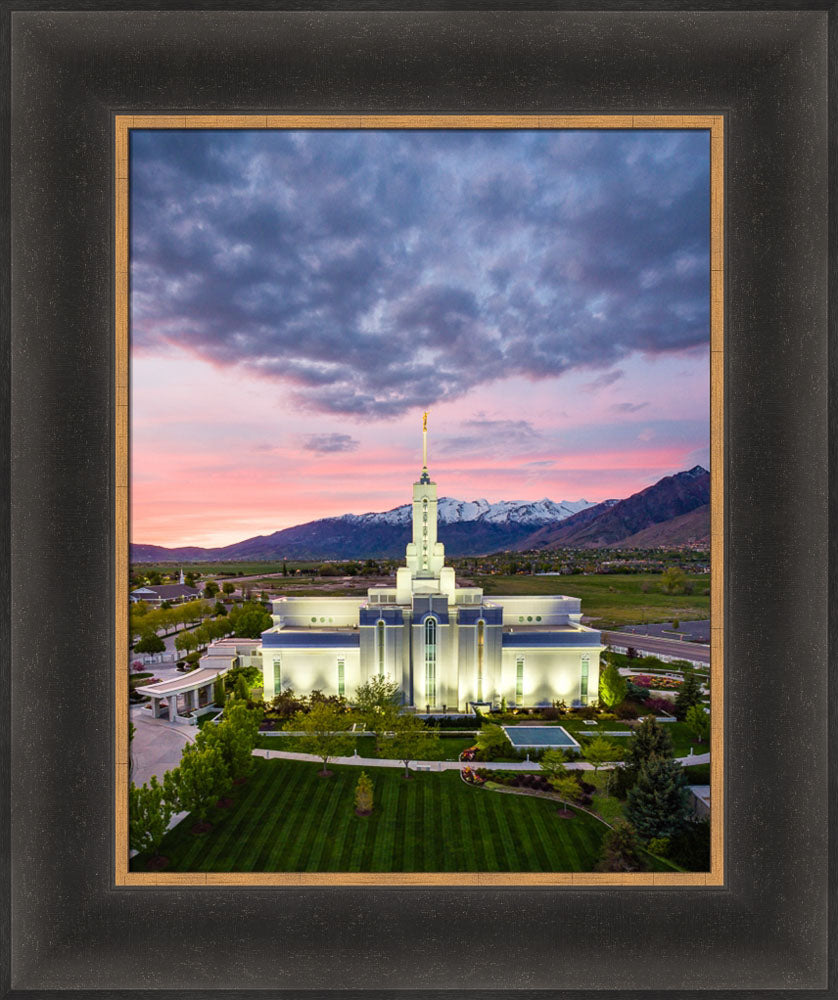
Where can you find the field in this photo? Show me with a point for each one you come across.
(611, 600)
(287, 818)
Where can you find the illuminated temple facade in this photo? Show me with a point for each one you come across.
(446, 646)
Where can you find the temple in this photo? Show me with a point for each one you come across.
(447, 647)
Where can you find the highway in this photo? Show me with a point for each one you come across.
(655, 646)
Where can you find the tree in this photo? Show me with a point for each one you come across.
(698, 721)
(659, 803)
(411, 740)
(363, 795)
(219, 609)
(242, 689)
(493, 742)
(228, 588)
(219, 694)
(600, 751)
(568, 788)
(689, 694)
(186, 642)
(210, 588)
(249, 621)
(325, 732)
(553, 765)
(150, 643)
(235, 737)
(198, 781)
(649, 739)
(377, 703)
(189, 578)
(673, 580)
(620, 850)
(149, 812)
(612, 686)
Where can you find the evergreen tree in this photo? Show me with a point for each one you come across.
(149, 812)
(620, 850)
(364, 795)
(650, 739)
(613, 687)
(689, 694)
(659, 803)
(242, 688)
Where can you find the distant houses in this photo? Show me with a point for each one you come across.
(174, 593)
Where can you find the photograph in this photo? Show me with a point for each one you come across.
(420, 501)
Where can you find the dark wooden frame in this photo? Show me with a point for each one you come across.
(67, 927)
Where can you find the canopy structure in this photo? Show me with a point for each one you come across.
(195, 688)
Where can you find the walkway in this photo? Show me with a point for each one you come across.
(446, 765)
(157, 745)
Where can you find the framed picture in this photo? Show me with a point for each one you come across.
(85, 917)
(388, 668)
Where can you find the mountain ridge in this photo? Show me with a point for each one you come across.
(477, 527)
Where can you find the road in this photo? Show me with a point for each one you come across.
(655, 646)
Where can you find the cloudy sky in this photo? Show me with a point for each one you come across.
(300, 297)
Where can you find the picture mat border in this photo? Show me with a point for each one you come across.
(124, 125)
(766, 933)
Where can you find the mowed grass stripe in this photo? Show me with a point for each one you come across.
(287, 818)
(295, 783)
(308, 819)
(315, 857)
(385, 831)
(255, 820)
(505, 840)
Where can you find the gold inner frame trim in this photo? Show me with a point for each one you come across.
(123, 125)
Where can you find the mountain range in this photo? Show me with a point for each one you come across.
(674, 511)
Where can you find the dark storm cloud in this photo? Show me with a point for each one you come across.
(373, 272)
(327, 444)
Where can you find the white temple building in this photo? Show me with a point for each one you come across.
(446, 646)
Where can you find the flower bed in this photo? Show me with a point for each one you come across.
(658, 683)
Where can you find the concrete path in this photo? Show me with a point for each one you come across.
(445, 765)
(157, 745)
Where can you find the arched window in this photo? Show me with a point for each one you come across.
(583, 681)
(481, 641)
(430, 661)
(380, 637)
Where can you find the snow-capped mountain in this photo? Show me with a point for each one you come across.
(451, 511)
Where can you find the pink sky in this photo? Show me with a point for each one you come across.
(219, 456)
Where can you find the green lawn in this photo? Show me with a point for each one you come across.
(612, 600)
(452, 746)
(287, 818)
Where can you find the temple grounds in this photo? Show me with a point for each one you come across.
(287, 818)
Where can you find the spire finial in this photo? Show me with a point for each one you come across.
(425, 478)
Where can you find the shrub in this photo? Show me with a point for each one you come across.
(606, 716)
(659, 846)
(628, 710)
(662, 705)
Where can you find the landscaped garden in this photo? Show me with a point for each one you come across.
(288, 818)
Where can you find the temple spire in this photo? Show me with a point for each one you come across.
(425, 478)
